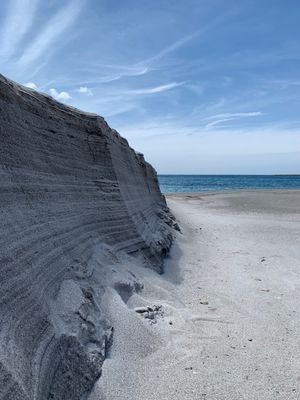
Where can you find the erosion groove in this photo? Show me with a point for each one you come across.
(75, 200)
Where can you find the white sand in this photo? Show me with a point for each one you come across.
(231, 291)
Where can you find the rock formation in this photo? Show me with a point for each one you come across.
(75, 201)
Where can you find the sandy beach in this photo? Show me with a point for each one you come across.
(228, 322)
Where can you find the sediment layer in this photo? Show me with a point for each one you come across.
(75, 200)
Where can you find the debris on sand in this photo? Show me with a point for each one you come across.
(150, 312)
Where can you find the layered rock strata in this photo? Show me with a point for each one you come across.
(75, 200)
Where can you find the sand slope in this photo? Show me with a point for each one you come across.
(230, 322)
(75, 202)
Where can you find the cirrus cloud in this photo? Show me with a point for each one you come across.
(225, 117)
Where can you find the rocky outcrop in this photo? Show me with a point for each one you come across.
(75, 201)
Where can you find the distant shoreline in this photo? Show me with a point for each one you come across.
(270, 175)
(230, 191)
(205, 183)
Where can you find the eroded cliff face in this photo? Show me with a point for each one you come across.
(75, 202)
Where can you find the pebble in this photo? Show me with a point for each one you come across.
(141, 310)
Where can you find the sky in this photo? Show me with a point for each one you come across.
(198, 86)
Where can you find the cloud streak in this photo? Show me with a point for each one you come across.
(284, 83)
(18, 21)
(188, 38)
(56, 26)
(169, 49)
(225, 117)
(236, 115)
(157, 89)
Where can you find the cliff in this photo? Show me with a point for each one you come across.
(75, 202)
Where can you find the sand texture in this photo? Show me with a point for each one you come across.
(78, 206)
(228, 322)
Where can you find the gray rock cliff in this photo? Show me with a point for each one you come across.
(75, 200)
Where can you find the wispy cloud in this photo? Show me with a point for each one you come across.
(236, 115)
(117, 101)
(18, 21)
(54, 29)
(189, 38)
(285, 83)
(62, 96)
(218, 122)
(225, 117)
(115, 110)
(157, 89)
(115, 71)
(172, 47)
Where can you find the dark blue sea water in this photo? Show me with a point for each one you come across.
(199, 183)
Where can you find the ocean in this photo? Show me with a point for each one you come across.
(201, 183)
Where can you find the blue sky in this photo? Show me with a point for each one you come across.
(209, 86)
